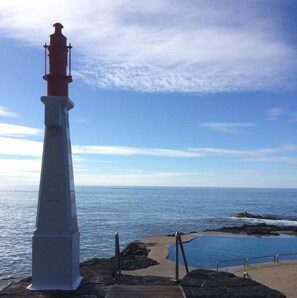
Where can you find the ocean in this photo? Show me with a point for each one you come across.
(135, 213)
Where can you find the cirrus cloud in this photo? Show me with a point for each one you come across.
(17, 130)
(4, 112)
(164, 46)
(228, 127)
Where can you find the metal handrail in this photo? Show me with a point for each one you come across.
(260, 257)
(179, 242)
(231, 260)
(117, 257)
(282, 255)
(246, 260)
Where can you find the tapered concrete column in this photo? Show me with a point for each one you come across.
(55, 263)
(55, 249)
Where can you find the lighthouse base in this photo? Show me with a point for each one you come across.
(55, 263)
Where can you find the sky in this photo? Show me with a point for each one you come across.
(167, 93)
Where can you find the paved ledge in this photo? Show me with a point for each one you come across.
(279, 276)
(128, 291)
(159, 251)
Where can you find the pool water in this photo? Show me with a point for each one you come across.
(206, 250)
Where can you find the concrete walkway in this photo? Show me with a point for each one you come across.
(280, 276)
(159, 252)
(128, 291)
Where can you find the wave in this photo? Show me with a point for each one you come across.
(276, 222)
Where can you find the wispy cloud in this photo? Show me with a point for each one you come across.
(287, 160)
(239, 178)
(20, 167)
(167, 46)
(4, 112)
(247, 172)
(19, 171)
(11, 130)
(228, 127)
(130, 170)
(14, 143)
(21, 158)
(242, 153)
(81, 120)
(274, 113)
(119, 150)
(146, 179)
(20, 147)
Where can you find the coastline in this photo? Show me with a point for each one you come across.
(132, 227)
(98, 273)
(279, 276)
(159, 249)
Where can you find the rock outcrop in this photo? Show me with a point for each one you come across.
(98, 277)
(255, 216)
(259, 229)
(209, 283)
(135, 256)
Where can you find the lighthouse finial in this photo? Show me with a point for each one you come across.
(58, 27)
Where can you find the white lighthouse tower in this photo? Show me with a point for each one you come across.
(55, 251)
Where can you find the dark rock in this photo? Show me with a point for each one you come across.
(97, 279)
(135, 248)
(137, 262)
(98, 276)
(145, 280)
(258, 229)
(255, 216)
(209, 283)
(134, 256)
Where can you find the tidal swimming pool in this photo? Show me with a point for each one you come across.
(206, 250)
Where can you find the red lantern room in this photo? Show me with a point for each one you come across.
(59, 55)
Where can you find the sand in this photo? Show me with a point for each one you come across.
(279, 276)
(159, 251)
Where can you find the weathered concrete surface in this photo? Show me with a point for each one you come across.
(159, 251)
(280, 276)
(128, 291)
(210, 283)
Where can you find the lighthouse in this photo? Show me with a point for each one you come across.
(55, 248)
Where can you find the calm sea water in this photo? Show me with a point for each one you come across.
(135, 213)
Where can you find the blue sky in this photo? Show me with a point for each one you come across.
(166, 93)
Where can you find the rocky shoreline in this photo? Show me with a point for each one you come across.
(98, 274)
(257, 230)
(98, 278)
(256, 216)
(261, 229)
